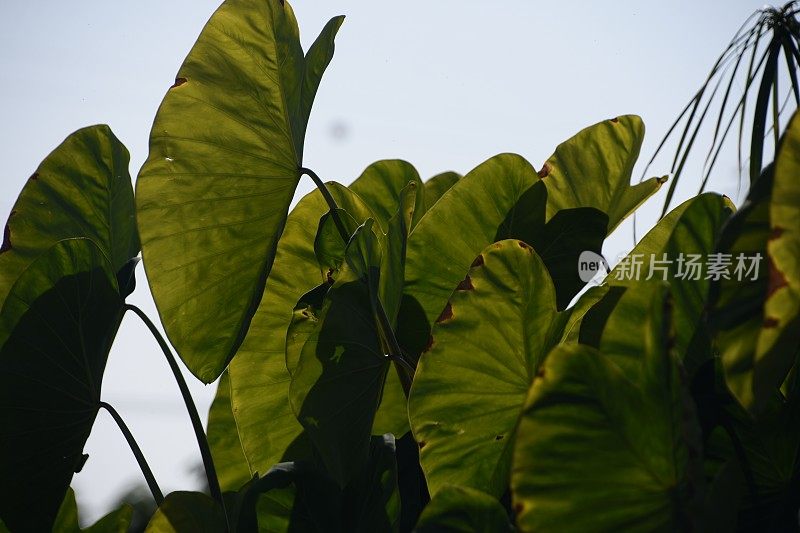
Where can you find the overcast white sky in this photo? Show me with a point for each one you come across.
(444, 84)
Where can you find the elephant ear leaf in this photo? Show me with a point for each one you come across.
(464, 509)
(756, 312)
(593, 169)
(439, 184)
(81, 189)
(337, 385)
(226, 151)
(470, 385)
(610, 430)
(58, 323)
(66, 264)
(382, 186)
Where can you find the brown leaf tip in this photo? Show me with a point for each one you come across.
(447, 314)
(615, 120)
(34, 176)
(776, 232)
(466, 284)
(545, 171)
(178, 82)
(662, 180)
(776, 279)
(478, 261)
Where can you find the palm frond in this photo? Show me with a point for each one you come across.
(765, 36)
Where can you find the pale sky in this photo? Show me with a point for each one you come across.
(444, 84)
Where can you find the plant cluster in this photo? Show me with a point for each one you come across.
(401, 354)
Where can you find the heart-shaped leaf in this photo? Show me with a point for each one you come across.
(485, 349)
(82, 189)
(51, 371)
(66, 264)
(381, 186)
(259, 375)
(593, 169)
(678, 250)
(226, 151)
(187, 511)
(465, 510)
(337, 385)
(609, 441)
(436, 186)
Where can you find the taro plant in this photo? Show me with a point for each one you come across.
(401, 354)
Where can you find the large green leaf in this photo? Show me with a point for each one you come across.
(51, 371)
(593, 169)
(457, 509)
(226, 150)
(116, 521)
(779, 338)
(184, 511)
(381, 186)
(586, 194)
(757, 316)
(609, 441)
(299, 497)
(258, 373)
(766, 459)
(687, 235)
(82, 189)
(223, 439)
(736, 307)
(339, 379)
(470, 386)
(436, 186)
(451, 234)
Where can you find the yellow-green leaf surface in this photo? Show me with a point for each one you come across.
(381, 185)
(736, 307)
(779, 339)
(183, 511)
(258, 373)
(471, 384)
(608, 440)
(223, 439)
(436, 186)
(593, 169)
(757, 319)
(226, 150)
(686, 236)
(451, 234)
(51, 371)
(82, 189)
(116, 521)
(457, 509)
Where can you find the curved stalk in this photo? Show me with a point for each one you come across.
(197, 425)
(395, 352)
(158, 496)
(329, 200)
